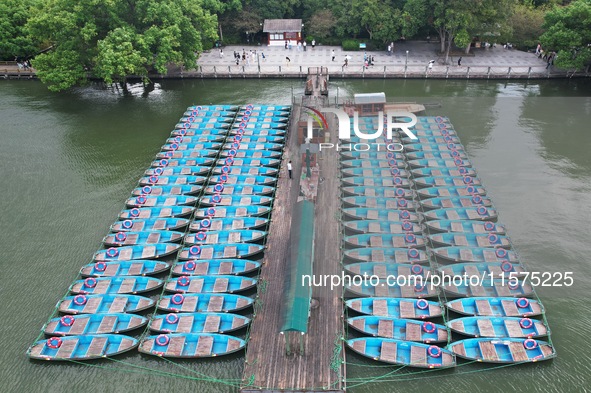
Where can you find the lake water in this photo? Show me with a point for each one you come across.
(70, 160)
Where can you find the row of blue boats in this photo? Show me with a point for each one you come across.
(199, 215)
(425, 213)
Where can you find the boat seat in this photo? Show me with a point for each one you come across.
(396, 228)
(226, 268)
(466, 254)
(241, 212)
(478, 290)
(457, 324)
(375, 241)
(196, 285)
(230, 252)
(408, 291)
(237, 224)
(387, 182)
(518, 352)
(204, 346)
(413, 332)
(79, 326)
(246, 201)
(370, 202)
(513, 328)
(211, 238)
(488, 350)
(206, 253)
(485, 328)
(185, 324)
(201, 268)
(232, 345)
(388, 352)
(380, 307)
(446, 203)
(382, 290)
(460, 241)
(127, 286)
(439, 182)
(148, 252)
(190, 303)
(135, 269)
(418, 356)
(215, 303)
(101, 287)
(502, 290)
(111, 270)
(216, 225)
(407, 309)
(483, 241)
(473, 214)
(247, 190)
(369, 192)
(368, 182)
(107, 324)
(359, 346)
(380, 271)
(404, 270)
(398, 241)
(235, 237)
(250, 180)
(452, 215)
(483, 307)
(125, 254)
(97, 346)
(459, 349)
(131, 238)
(175, 346)
(67, 348)
(471, 271)
(91, 306)
(496, 271)
(220, 285)
(166, 212)
(490, 255)
(378, 256)
(373, 214)
(358, 324)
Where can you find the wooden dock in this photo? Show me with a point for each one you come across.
(314, 363)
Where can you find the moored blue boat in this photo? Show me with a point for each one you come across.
(202, 161)
(373, 163)
(104, 303)
(221, 251)
(185, 154)
(479, 213)
(465, 226)
(385, 192)
(260, 128)
(375, 172)
(474, 255)
(215, 267)
(396, 307)
(191, 345)
(432, 140)
(382, 288)
(402, 353)
(503, 350)
(232, 211)
(469, 240)
(163, 200)
(200, 128)
(447, 181)
(390, 181)
(385, 240)
(188, 139)
(124, 268)
(145, 251)
(191, 146)
(400, 329)
(229, 224)
(386, 269)
(171, 180)
(364, 213)
(454, 172)
(69, 325)
(233, 200)
(229, 179)
(251, 153)
(451, 191)
(378, 202)
(256, 138)
(239, 189)
(156, 212)
(151, 224)
(478, 287)
(115, 285)
(178, 170)
(499, 327)
(198, 323)
(256, 162)
(252, 146)
(210, 284)
(496, 306)
(436, 155)
(223, 237)
(433, 147)
(246, 170)
(387, 254)
(145, 237)
(204, 302)
(371, 155)
(490, 270)
(185, 189)
(440, 203)
(84, 347)
(377, 226)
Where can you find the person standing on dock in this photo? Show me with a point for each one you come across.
(289, 168)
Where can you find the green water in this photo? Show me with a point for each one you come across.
(68, 162)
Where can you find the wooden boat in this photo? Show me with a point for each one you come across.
(478, 287)
(364, 213)
(399, 329)
(115, 285)
(105, 303)
(246, 170)
(199, 108)
(442, 203)
(198, 323)
(446, 192)
(233, 200)
(375, 172)
(433, 147)
(215, 267)
(144, 237)
(376, 226)
(514, 327)
(194, 139)
(196, 115)
(479, 213)
(371, 155)
(69, 325)
(388, 254)
(366, 164)
(436, 155)
(156, 212)
(453, 172)
(474, 255)
(201, 161)
(378, 202)
(204, 302)
(221, 251)
(124, 268)
(171, 180)
(503, 350)
(191, 345)
(229, 224)
(164, 200)
(185, 154)
(383, 192)
(402, 353)
(385, 240)
(390, 181)
(496, 306)
(490, 270)
(224, 237)
(382, 289)
(191, 146)
(144, 251)
(385, 269)
(252, 146)
(244, 180)
(189, 189)
(210, 284)
(469, 240)
(396, 307)
(238, 189)
(465, 226)
(256, 162)
(85, 347)
(178, 170)
(447, 181)
(157, 224)
(251, 154)
(236, 211)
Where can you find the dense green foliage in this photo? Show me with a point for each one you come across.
(113, 39)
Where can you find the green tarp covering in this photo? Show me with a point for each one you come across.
(301, 252)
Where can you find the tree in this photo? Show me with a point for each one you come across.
(568, 33)
(113, 39)
(378, 18)
(526, 24)
(321, 24)
(14, 38)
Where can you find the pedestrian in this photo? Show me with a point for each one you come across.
(460, 61)
(313, 43)
(221, 53)
(538, 48)
(287, 60)
(285, 44)
(430, 66)
(299, 48)
(541, 53)
(392, 46)
(333, 55)
(549, 61)
(289, 168)
(304, 45)
(346, 64)
(389, 50)
(263, 55)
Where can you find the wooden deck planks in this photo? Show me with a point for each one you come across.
(388, 352)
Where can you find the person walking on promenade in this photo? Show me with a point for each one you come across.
(538, 48)
(313, 43)
(304, 45)
(289, 168)
(333, 55)
(221, 53)
(287, 60)
(460, 61)
(389, 50)
(430, 66)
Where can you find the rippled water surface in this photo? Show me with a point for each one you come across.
(68, 162)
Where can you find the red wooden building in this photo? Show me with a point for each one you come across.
(280, 30)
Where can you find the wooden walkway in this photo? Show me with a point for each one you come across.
(268, 368)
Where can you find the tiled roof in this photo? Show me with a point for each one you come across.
(282, 26)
